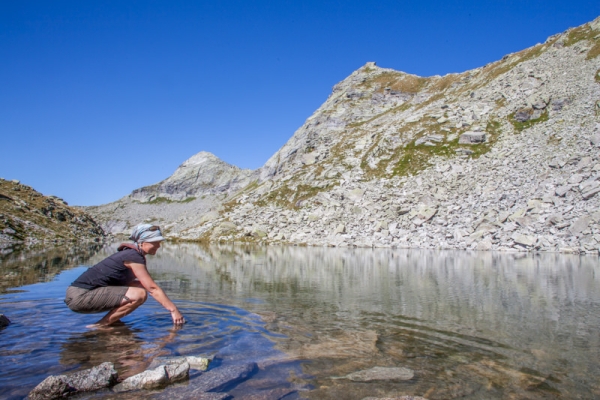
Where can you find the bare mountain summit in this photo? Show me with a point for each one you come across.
(200, 183)
(502, 157)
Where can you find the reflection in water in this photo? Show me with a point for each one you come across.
(27, 266)
(471, 325)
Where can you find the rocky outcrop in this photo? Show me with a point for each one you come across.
(502, 157)
(28, 217)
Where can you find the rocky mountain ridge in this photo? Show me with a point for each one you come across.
(502, 157)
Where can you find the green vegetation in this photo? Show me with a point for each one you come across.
(164, 200)
(398, 81)
(284, 196)
(521, 126)
(597, 77)
(585, 32)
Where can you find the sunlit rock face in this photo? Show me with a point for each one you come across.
(502, 157)
(28, 217)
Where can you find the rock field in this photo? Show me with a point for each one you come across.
(502, 157)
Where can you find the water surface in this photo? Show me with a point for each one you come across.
(471, 325)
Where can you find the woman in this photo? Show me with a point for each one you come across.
(120, 283)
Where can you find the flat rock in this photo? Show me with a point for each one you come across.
(523, 240)
(381, 374)
(580, 225)
(220, 378)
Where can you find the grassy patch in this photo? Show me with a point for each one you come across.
(521, 126)
(397, 81)
(445, 82)
(597, 77)
(585, 33)
(164, 200)
(286, 197)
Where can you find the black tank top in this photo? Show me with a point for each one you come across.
(111, 271)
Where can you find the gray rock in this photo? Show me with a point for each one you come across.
(149, 379)
(4, 321)
(562, 190)
(471, 137)
(221, 378)
(53, 387)
(381, 374)
(580, 225)
(484, 245)
(101, 376)
(523, 240)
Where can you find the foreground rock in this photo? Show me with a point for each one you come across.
(54, 387)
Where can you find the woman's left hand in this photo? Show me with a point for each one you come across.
(177, 317)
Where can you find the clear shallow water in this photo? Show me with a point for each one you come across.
(471, 325)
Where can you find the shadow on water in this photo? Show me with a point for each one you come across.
(471, 325)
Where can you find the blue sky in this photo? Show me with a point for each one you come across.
(98, 98)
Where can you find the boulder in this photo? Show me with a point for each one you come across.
(523, 240)
(472, 138)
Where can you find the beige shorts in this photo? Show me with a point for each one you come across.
(96, 300)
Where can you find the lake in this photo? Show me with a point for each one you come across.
(474, 325)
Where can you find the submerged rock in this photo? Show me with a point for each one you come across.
(220, 378)
(381, 374)
(396, 398)
(4, 321)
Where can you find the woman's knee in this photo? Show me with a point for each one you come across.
(137, 295)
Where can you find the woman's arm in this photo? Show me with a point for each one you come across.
(146, 281)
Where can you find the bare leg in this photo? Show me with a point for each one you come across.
(137, 296)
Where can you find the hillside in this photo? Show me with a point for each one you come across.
(502, 157)
(28, 217)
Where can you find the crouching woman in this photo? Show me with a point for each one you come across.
(120, 283)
